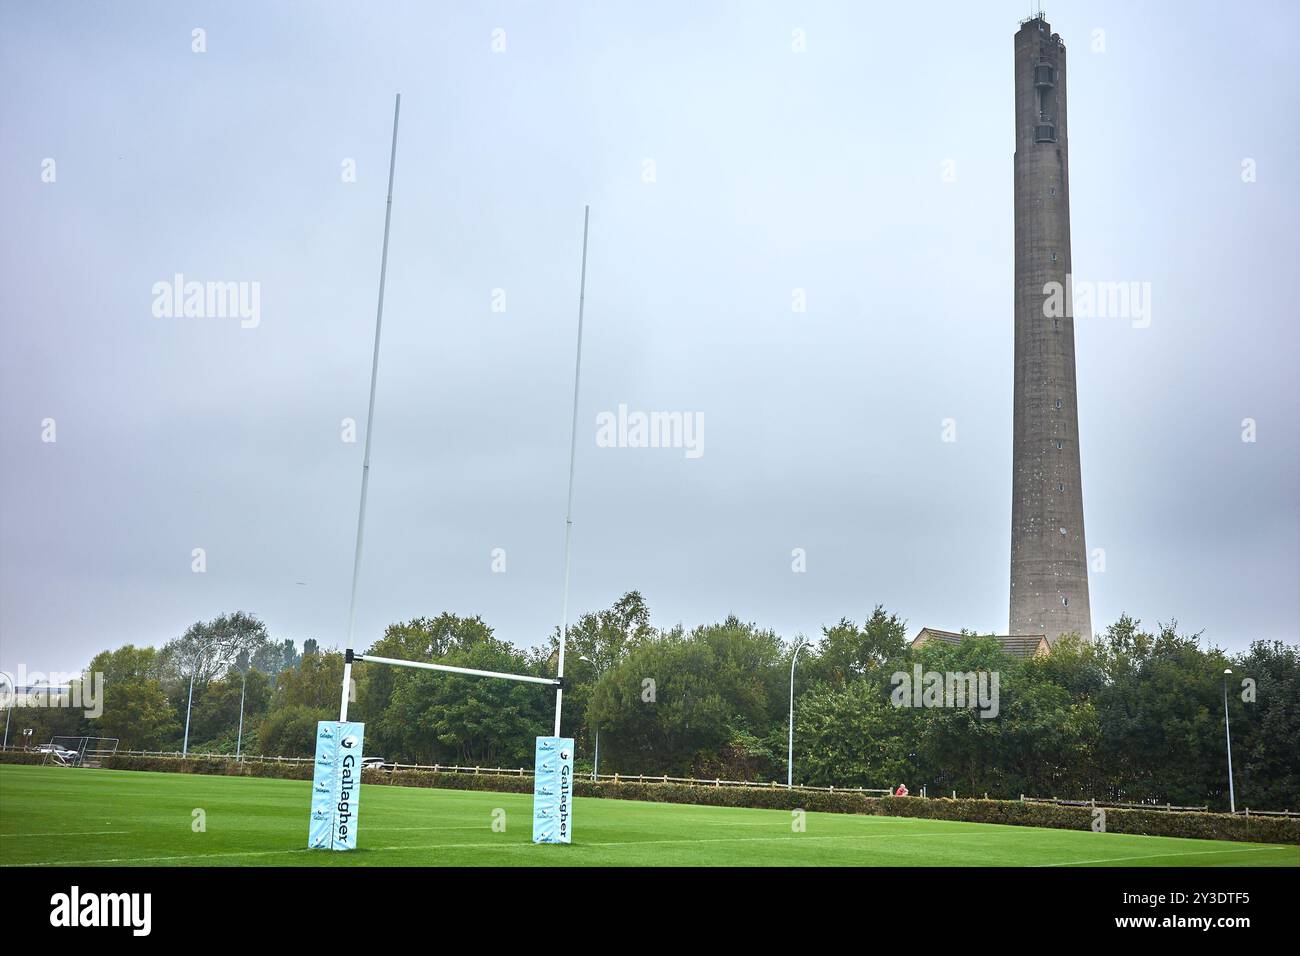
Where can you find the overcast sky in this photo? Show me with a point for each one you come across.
(871, 170)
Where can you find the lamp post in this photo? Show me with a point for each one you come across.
(595, 760)
(185, 744)
(199, 655)
(8, 696)
(239, 740)
(1227, 733)
(789, 766)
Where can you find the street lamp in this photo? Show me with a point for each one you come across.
(8, 697)
(239, 739)
(1227, 733)
(185, 744)
(189, 704)
(595, 760)
(789, 766)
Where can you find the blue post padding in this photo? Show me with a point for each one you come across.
(336, 786)
(553, 790)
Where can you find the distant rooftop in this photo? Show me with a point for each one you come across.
(1020, 646)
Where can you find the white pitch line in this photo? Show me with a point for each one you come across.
(158, 859)
(793, 838)
(1157, 856)
(64, 833)
(454, 846)
(477, 826)
(498, 845)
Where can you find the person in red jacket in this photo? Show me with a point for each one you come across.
(901, 791)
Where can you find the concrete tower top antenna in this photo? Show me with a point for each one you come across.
(1035, 12)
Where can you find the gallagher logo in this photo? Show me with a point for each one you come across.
(346, 783)
(565, 786)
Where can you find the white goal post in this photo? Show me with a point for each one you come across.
(334, 822)
(79, 751)
(349, 657)
(335, 790)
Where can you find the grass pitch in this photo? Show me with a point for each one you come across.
(52, 816)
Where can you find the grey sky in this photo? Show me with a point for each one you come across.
(776, 171)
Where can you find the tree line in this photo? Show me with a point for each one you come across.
(1132, 715)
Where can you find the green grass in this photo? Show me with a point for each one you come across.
(51, 815)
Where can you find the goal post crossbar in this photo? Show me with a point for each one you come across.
(526, 678)
(350, 657)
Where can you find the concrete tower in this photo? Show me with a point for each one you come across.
(1049, 559)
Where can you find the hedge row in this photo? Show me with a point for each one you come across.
(1201, 826)
(18, 756)
(220, 766)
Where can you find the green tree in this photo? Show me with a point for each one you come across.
(846, 651)
(316, 682)
(208, 649)
(136, 708)
(851, 737)
(597, 642)
(216, 716)
(426, 717)
(302, 696)
(1265, 730)
(291, 731)
(678, 700)
(272, 658)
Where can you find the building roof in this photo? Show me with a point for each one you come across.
(1020, 646)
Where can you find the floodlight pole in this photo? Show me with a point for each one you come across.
(1227, 733)
(789, 766)
(185, 745)
(573, 455)
(595, 761)
(239, 739)
(370, 414)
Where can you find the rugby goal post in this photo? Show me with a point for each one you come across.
(350, 656)
(79, 751)
(336, 783)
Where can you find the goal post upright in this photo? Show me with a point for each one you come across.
(370, 412)
(348, 657)
(333, 820)
(573, 455)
